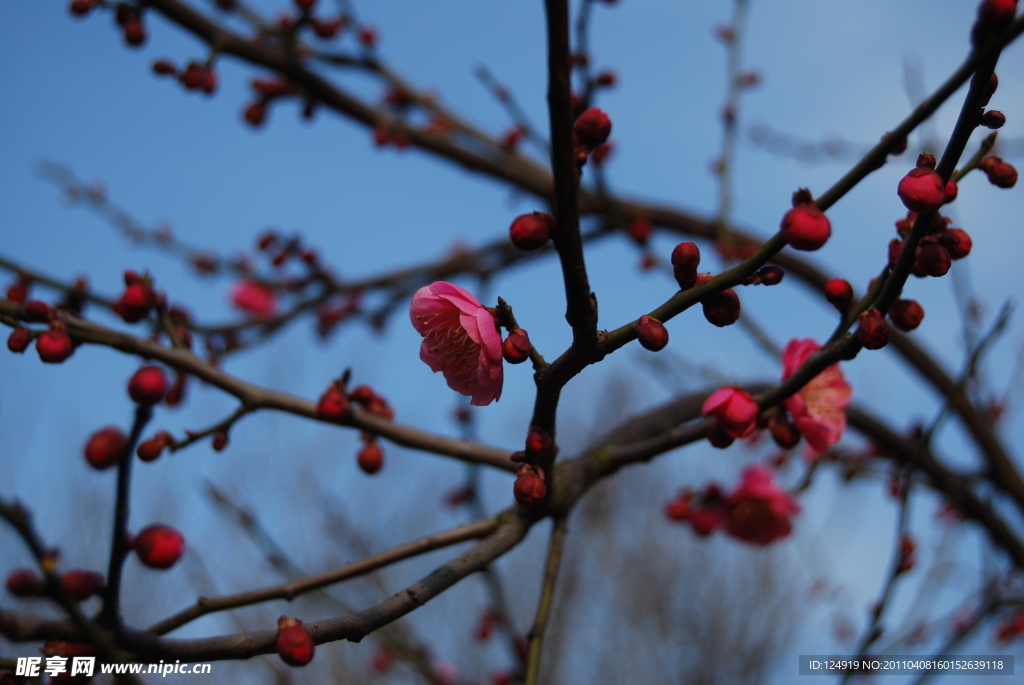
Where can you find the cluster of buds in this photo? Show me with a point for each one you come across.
(530, 232)
(54, 345)
(79, 584)
(758, 511)
(329, 316)
(196, 76)
(591, 129)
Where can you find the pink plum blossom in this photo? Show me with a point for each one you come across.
(460, 340)
(819, 408)
(734, 409)
(254, 298)
(758, 510)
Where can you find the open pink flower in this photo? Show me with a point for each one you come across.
(758, 510)
(734, 410)
(819, 409)
(460, 340)
(258, 300)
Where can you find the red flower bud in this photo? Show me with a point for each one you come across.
(105, 448)
(922, 190)
(734, 410)
(679, 508)
(256, 113)
(999, 173)
(601, 154)
(839, 293)
(933, 259)
(718, 437)
(640, 230)
(368, 37)
(24, 582)
(592, 127)
(333, 405)
(159, 546)
(516, 347)
(136, 301)
(784, 432)
(164, 67)
(607, 79)
(873, 331)
(651, 333)
(687, 256)
(722, 309)
(538, 443)
(148, 386)
(951, 192)
(363, 394)
(685, 277)
(81, 584)
(531, 231)
(990, 88)
(149, 450)
(82, 7)
(54, 346)
(295, 645)
(956, 241)
(906, 315)
(371, 457)
(805, 227)
(38, 312)
(993, 119)
(19, 339)
(530, 489)
(220, 441)
(134, 31)
(770, 275)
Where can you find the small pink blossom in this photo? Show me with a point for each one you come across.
(759, 511)
(460, 340)
(734, 409)
(819, 408)
(254, 298)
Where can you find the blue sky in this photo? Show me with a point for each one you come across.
(74, 94)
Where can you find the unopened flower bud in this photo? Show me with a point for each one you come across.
(906, 315)
(922, 190)
(516, 347)
(24, 582)
(770, 275)
(81, 584)
(839, 293)
(220, 441)
(105, 448)
(159, 546)
(651, 333)
(805, 227)
(531, 231)
(371, 457)
(873, 331)
(784, 432)
(148, 385)
(1000, 173)
(333, 404)
(640, 230)
(722, 309)
(150, 450)
(933, 258)
(956, 241)
(54, 346)
(294, 644)
(539, 443)
(19, 339)
(592, 127)
(530, 488)
(686, 255)
(993, 119)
